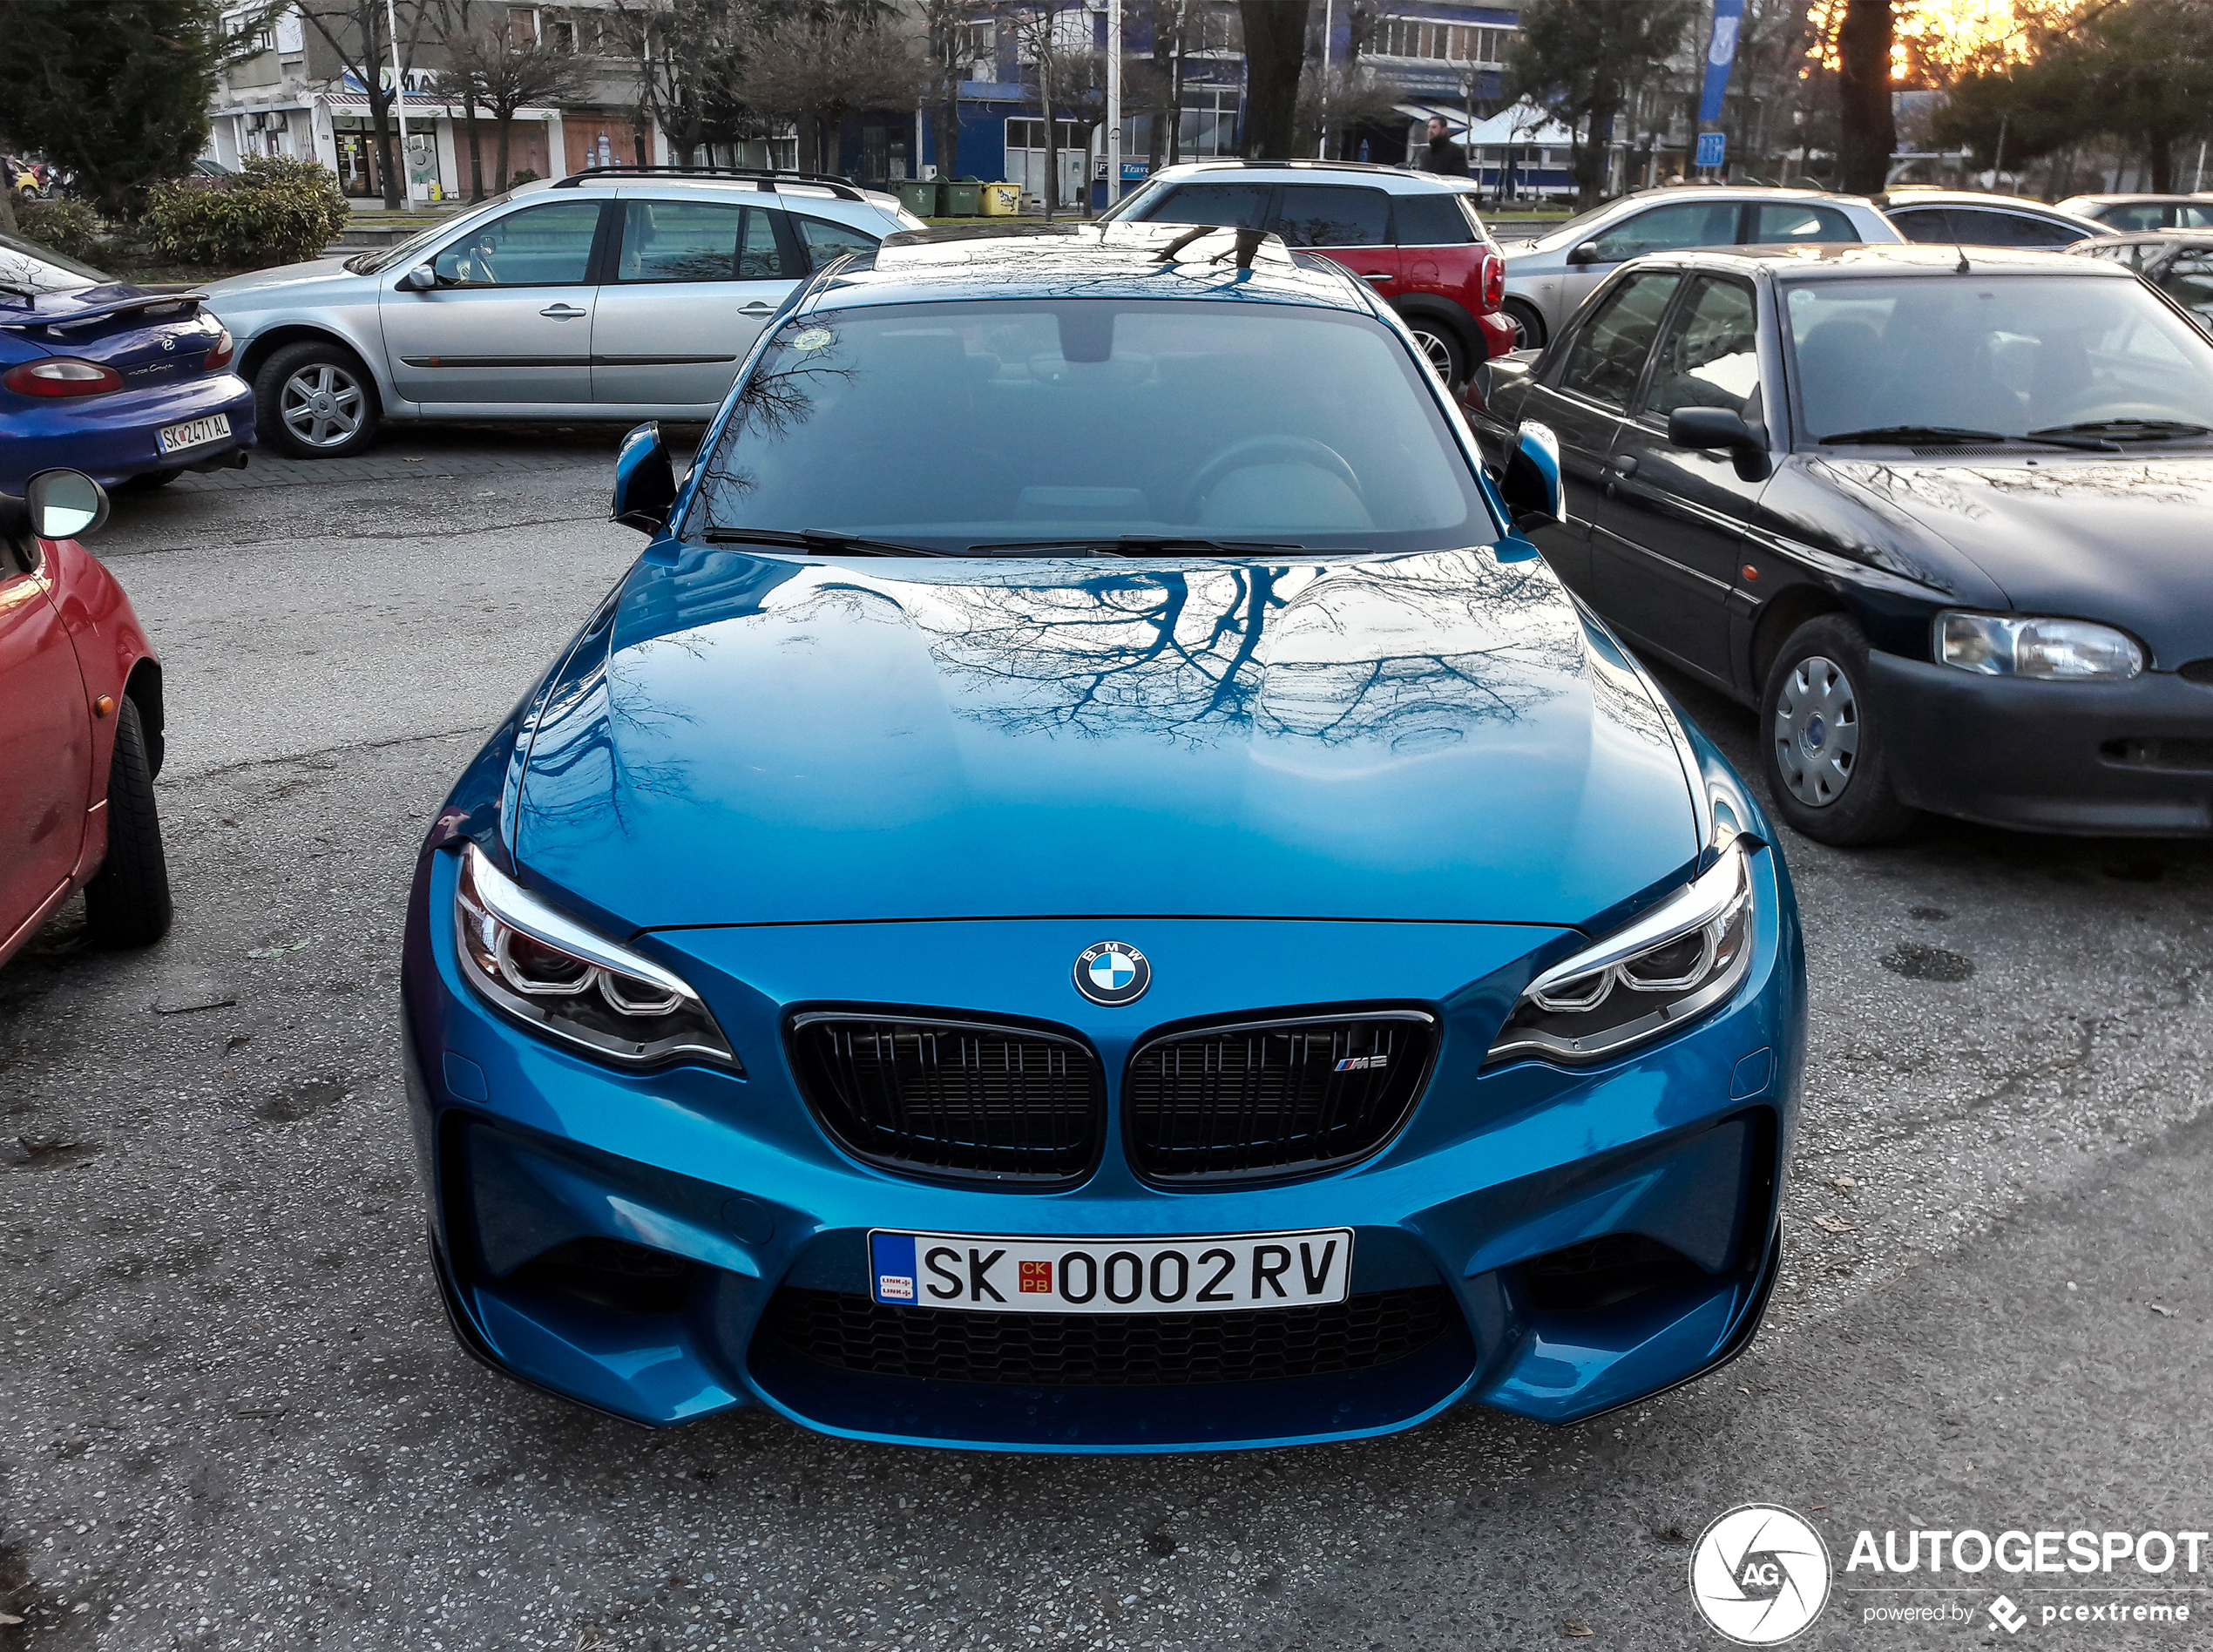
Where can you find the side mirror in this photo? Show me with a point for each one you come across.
(1586, 253)
(1531, 485)
(422, 279)
(645, 481)
(64, 505)
(1708, 428)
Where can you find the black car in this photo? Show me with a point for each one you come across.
(1942, 516)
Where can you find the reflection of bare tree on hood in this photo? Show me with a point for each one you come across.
(1416, 650)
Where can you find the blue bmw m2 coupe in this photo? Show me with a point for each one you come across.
(1091, 892)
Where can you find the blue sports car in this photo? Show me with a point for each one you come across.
(122, 383)
(1091, 892)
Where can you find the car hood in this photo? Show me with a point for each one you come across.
(2122, 538)
(745, 739)
(282, 284)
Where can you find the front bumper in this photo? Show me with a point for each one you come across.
(114, 437)
(2133, 757)
(732, 1184)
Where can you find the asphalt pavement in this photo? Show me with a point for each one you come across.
(231, 1414)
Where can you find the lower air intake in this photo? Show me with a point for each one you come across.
(1107, 1351)
(1266, 1099)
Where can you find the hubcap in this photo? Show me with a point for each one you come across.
(1817, 731)
(1438, 353)
(322, 404)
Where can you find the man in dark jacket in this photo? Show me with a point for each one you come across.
(1444, 157)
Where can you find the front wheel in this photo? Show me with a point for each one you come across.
(1528, 326)
(1440, 347)
(315, 400)
(1828, 769)
(127, 902)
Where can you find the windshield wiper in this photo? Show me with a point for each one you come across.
(822, 541)
(1141, 544)
(2129, 429)
(1952, 435)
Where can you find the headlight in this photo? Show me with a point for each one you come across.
(542, 966)
(1674, 964)
(2075, 650)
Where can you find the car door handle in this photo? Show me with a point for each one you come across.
(564, 312)
(757, 308)
(1380, 277)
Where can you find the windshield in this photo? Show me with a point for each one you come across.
(2006, 354)
(1583, 221)
(370, 262)
(27, 268)
(963, 426)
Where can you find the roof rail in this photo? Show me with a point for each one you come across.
(766, 179)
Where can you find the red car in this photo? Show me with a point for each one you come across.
(80, 741)
(1414, 237)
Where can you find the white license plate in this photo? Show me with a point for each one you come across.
(1218, 1274)
(175, 439)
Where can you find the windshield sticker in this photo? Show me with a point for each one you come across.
(813, 338)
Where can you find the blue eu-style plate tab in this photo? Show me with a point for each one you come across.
(891, 1259)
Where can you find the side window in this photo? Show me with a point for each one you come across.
(1226, 205)
(547, 245)
(1685, 223)
(1431, 221)
(1979, 227)
(2195, 216)
(1708, 357)
(2129, 252)
(2188, 281)
(1775, 221)
(679, 240)
(1608, 355)
(2135, 216)
(822, 239)
(1924, 224)
(1328, 215)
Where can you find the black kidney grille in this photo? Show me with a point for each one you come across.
(955, 1099)
(1274, 1099)
(1107, 1351)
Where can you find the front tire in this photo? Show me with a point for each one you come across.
(127, 902)
(315, 400)
(1528, 326)
(1828, 768)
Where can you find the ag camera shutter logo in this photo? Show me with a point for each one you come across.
(1760, 1574)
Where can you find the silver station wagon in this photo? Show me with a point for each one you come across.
(623, 293)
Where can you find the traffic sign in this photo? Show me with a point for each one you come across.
(1713, 147)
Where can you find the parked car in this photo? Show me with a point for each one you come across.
(1548, 276)
(125, 384)
(81, 740)
(2179, 263)
(620, 293)
(1967, 218)
(1145, 922)
(1417, 240)
(2125, 213)
(1941, 519)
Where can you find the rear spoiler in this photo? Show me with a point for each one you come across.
(180, 305)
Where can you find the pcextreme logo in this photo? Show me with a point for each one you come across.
(1760, 1574)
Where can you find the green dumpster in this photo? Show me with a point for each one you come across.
(918, 196)
(963, 198)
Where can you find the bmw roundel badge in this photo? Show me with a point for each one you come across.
(1113, 972)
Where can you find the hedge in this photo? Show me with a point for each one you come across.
(276, 211)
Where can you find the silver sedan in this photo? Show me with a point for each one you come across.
(1548, 277)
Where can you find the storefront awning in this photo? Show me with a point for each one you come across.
(356, 103)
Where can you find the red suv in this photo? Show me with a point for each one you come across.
(1415, 236)
(80, 739)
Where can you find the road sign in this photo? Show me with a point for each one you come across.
(1713, 147)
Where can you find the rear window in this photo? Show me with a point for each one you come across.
(1433, 220)
(1785, 221)
(27, 266)
(1331, 215)
(1979, 227)
(1088, 419)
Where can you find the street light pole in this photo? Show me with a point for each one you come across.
(1114, 101)
(1328, 26)
(399, 104)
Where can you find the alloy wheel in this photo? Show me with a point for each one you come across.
(1436, 350)
(1817, 731)
(322, 405)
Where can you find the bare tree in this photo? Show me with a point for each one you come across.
(507, 64)
(355, 30)
(816, 69)
(1348, 97)
(689, 56)
(1049, 33)
(945, 44)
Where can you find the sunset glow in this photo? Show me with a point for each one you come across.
(1936, 39)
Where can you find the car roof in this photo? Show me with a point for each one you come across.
(1395, 180)
(1842, 260)
(739, 181)
(1910, 197)
(2137, 237)
(1111, 259)
(1731, 192)
(2138, 201)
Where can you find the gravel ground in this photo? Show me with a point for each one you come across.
(231, 1414)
